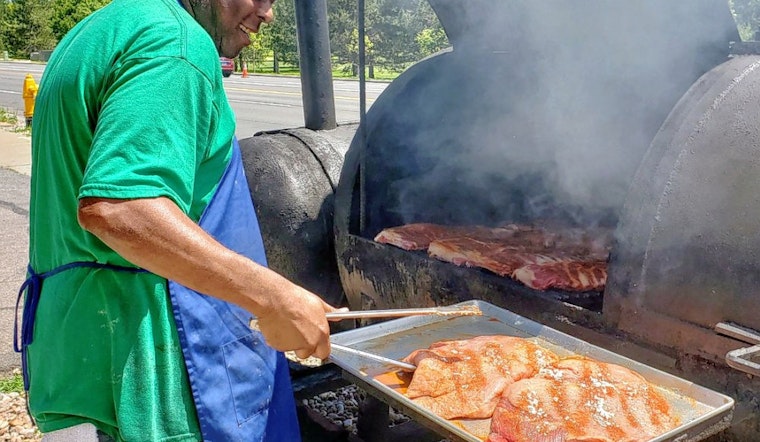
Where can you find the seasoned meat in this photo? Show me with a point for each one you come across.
(581, 399)
(465, 378)
(489, 255)
(578, 276)
(541, 257)
(417, 236)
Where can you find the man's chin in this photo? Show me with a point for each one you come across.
(232, 52)
(229, 52)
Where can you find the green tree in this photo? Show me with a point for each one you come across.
(400, 31)
(279, 37)
(25, 27)
(747, 14)
(258, 51)
(353, 50)
(67, 13)
(431, 40)
(3, 14)
(342, 21)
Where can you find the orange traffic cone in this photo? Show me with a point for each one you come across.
(245, 70)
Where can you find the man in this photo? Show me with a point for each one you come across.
(146, 262)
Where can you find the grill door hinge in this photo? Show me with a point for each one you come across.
(745, 359)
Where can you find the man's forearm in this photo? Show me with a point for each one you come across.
(156, 235)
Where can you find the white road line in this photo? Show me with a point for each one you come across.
(264, 103)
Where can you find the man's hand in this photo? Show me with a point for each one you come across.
(297, 322)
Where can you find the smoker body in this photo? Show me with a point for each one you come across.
(292, 174)
(592, 114)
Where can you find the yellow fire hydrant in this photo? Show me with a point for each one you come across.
(30, 94)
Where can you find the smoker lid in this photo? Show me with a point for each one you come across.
(688, 246)
(489, 23)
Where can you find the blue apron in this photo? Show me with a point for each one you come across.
(241, 386)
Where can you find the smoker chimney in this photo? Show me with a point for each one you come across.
(316, 69)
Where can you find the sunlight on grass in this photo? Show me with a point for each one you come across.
(7, 116)
(11, 383)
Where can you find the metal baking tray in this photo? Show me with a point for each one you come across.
(703, 412)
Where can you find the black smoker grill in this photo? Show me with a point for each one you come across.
(569, 111)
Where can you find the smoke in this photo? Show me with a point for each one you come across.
(544, 110)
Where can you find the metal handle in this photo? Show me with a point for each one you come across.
(742, 359)
(462, 310)
(466, 310)
(377, 358)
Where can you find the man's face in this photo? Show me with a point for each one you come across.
(230, 21)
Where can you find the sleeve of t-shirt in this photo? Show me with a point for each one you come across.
(151, 132)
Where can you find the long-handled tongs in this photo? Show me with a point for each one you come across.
(377, 358)
(462, 310)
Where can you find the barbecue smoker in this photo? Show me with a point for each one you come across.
(634, 116)
(627, 115)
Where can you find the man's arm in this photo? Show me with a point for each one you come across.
(154, 234)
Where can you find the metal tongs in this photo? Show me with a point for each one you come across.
(466, 310)
(377, 358)
(463, 310)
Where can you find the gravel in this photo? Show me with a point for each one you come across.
(15, 424)
(342, 407)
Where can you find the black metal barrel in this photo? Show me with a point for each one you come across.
(292, 174)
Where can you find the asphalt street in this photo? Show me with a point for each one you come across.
(14, 228)
(260, 102)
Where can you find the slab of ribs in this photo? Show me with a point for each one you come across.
(531, 394)
(540, 257)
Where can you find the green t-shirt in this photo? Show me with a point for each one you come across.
(131, 105)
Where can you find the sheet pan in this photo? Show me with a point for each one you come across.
(703, 411)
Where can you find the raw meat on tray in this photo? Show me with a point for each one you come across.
(465, 378)
(581, 399)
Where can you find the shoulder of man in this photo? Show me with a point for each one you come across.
(160, 28)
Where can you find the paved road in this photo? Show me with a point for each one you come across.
(260, 103)
(14, 227)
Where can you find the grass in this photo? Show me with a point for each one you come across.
(8, 117)
(26, 130)
(339, 70)
(11, 383)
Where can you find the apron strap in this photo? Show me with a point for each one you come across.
(33, 288)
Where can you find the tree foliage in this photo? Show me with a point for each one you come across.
(3, 15)
(398, 32)
(67, 13)
(27, 26)
(747, 15)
